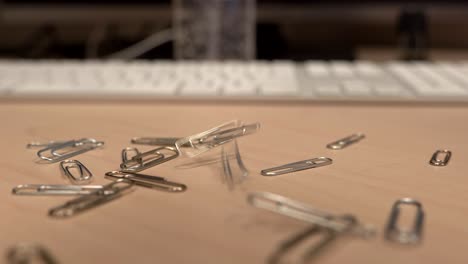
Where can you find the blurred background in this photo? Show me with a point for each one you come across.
(276, 29)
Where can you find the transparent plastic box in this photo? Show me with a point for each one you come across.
(214, 29)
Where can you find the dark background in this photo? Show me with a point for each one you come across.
(289, 29)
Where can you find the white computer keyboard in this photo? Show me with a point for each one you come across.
(259, 80)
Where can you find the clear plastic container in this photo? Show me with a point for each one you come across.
(214, 29)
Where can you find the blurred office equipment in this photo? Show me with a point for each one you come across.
(306, 51)
(413, 34)
(294, 29)
(214, 29)
(236, 80)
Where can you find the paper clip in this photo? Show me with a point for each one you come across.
(288, 245)
(288, 207)
(154, 141)
(435, 161)
(233, 173)
(344, 142)
(54, 189)
(149, 181)
(297, 166)
(83, 174)
(204, 141)
(145, 160)
(413, 236)
(128, 153)
(36, 144)
(108, 193)
(30, 253)
(62, 151)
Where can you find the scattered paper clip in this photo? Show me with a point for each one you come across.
(128, 153)
(435, 161)
(344, 142)
(149, 181)
(54, 189)
(82, 176)
(62, 151)
(234, 173)
(36, 144)
(328, 236)
(204, 141)
(288, 207)
(297, 166)
(413, 236)
(30, 253)
(145, 160)
(106, 194)
(155, 141)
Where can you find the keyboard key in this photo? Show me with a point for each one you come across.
(240, 88)
(317, 69)
(357, 88)
(368, 69)
(328, 90)
(342, 69)
(389, 90)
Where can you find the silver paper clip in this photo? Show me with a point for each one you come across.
(155, 141)
(145, 160)
(224, 136)
(297, 166)
(37, 144)
(30, 253)
(435, 161)
(108, 193)
(288, 207)
(149, 181)
(344, 142)
(128, 153)
(83, 175)
(328, 236)
(413, 236)
(204, 141)
(62, 151)
(233, 173)
(54, 189)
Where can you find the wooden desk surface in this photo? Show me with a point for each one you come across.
(210, 224)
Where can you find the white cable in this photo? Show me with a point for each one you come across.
(145, 45)
(94, 40)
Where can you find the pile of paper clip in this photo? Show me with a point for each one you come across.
(133, 162)
(328, 225)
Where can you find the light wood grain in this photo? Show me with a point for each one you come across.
(210, 224)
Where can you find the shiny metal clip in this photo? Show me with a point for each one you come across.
(145, 160)
(288, 207)
(108, 193)
(154, 141)
(234, 173)
(54, 189)
(327, 236)
(224, 136)
(37, 144)
(204, 141)
(128, 153)
(344, 142)
(61, 151)
(413, 236)
(435, 161)
(82, 175)
(297, 166)
(149, 181)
